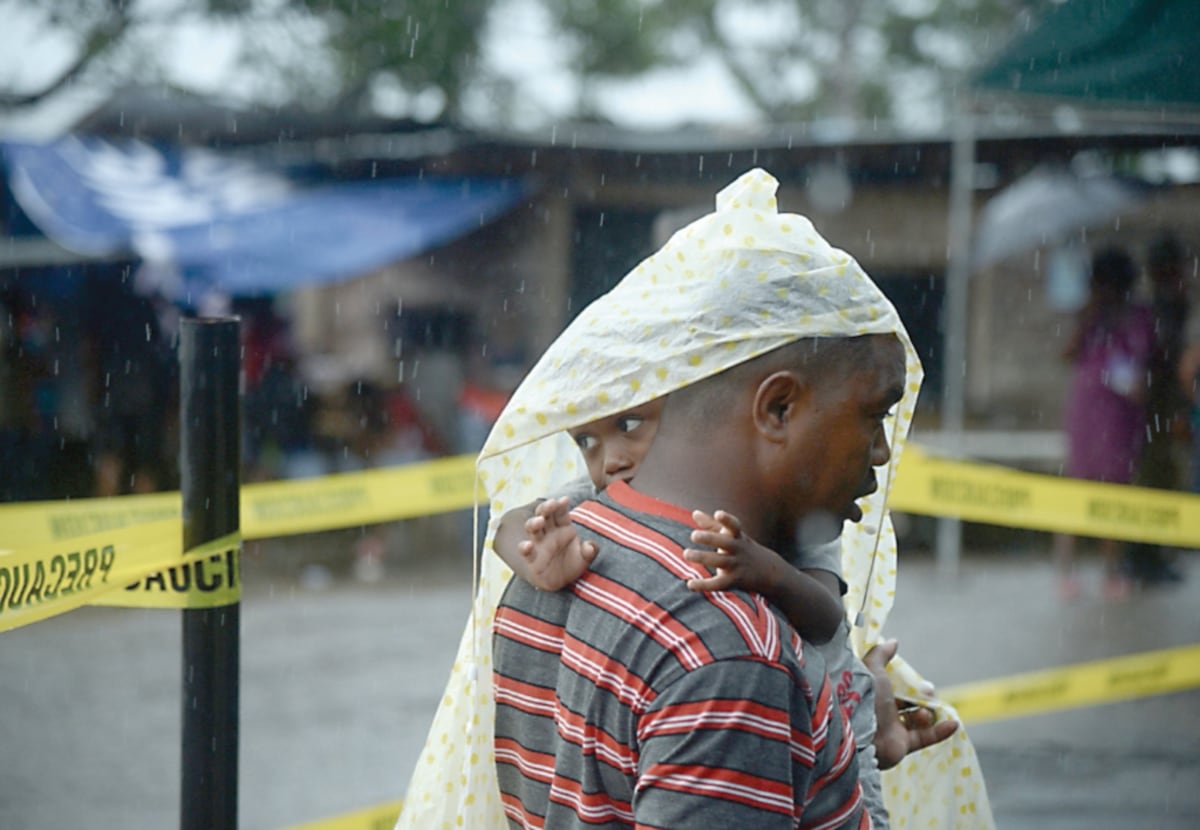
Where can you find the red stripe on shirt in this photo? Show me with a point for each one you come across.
(594, 741)
(841, 760)
(594, 808)
(753, 620)
(515, 810)
(653, 620)
(538, 766)
(535, 700)
(838, 816)
(529, 630)
(607, 673)
(745, 715)
(718, 782)
(823, 708)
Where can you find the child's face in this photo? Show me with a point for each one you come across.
(613, 447)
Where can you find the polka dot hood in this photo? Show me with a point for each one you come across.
(732, 285)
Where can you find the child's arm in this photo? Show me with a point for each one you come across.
(541, 546)
(809, 602)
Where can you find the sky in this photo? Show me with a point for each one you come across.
(519, 44)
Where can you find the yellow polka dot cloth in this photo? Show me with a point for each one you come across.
(730, 286)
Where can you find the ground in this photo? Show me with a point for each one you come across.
(339, 681)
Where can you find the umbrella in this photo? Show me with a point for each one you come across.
(1046, 205)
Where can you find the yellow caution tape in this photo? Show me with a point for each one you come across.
(284, 508)
(1078, 685)
(268, 510)
(379, 817)
(991, 494)
(925, 484)
(44, 580)
(23, 524)
(201, 582)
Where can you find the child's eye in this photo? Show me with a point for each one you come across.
(629, 423)
(585, 442)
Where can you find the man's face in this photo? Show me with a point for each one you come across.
(614, 447)
(843, 437)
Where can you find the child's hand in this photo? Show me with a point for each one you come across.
(739, 561)
(555, 554)
(897, 735)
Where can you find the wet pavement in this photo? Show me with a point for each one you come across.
(1133, 764)
(340, 680)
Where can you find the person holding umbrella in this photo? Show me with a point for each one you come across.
(1109, 352)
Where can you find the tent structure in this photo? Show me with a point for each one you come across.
(1119, 53)
(235, 226)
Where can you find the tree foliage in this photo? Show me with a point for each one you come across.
(790, 58)
(797, 58)
(419, 44)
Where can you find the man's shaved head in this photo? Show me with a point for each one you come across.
(816, 359)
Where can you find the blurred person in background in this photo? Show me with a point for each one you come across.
(1189, 384)
(278, 406)
(1110, 352)
(16, 406)
(492, 373)
(382, 428)
(46, 419)
(131, 378)
(364, 411)
(1166, 430)
(277, 424)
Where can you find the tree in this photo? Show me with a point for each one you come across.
(796, 59)
(339, 50)
(418, 46)
(792, 59)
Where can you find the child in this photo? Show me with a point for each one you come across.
(550, 556)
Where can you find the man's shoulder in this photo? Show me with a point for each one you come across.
(613, 524)
(637, 552)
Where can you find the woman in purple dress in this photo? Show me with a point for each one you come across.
(1109, 352)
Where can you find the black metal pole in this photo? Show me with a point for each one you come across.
(210, 458)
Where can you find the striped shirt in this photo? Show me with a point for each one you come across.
(631, 701)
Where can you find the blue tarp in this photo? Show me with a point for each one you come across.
(235, 226)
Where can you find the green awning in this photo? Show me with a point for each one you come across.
(1114, 52)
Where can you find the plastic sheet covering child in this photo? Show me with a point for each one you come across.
(732, 285)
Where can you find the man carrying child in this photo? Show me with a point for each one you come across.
(631, 698)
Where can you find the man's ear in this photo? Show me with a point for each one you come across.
(775, 400)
